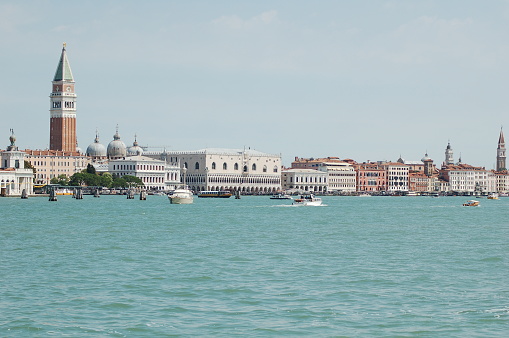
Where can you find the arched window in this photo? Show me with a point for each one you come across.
(185, 165)
(225, 166)
(264, 168)
(213, 165)
(197, 166)
(253, 167)
(236, 166)
(245, 168)
(275, 168)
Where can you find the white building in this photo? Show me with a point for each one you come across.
(155, 174)
(397, 177)
(304, 180)
(341, 176)
(14, 178)
(248, 171)
(502, 178)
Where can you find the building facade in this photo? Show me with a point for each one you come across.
(248, 171)
(301, 180)
(53, 163)
(14, 177)
(371, 177)
(397, 177)
(464, 178)
(155, 174)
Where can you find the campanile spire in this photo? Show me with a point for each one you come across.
(63, 107)
(501, 152)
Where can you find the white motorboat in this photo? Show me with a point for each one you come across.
(181, 196)
(308, 200)
(281, 196)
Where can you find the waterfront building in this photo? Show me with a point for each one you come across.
(248, 171)
(312, 163)
(53, 163)
(341, 176)
(14, 177)
(155, 174)
(371, 177)
(464, 178)
(301, 180)
(63, 108)
(397, 176)
(418, 182)
(502, 181)
(501, 158)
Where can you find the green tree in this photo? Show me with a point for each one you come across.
(77, 179)
(119, 182)
(106, 180)
(90, 169)
(133, 181)
(61, 179)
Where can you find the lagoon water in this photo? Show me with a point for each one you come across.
(376, 266)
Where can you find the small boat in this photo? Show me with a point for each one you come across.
(281, 196)
(493, 196)
(217, 194)
(471, 203)
(364, 194)
(181, 196)
(64, 192)
(308, 200)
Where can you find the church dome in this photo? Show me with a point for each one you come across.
(425, 158)
(135, 150)
(96, 149)
(116, 148)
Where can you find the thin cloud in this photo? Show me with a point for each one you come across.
(236, 22)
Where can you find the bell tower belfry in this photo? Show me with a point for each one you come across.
(501, 152)
(448, 155)
(63, 107)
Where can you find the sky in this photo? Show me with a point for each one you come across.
(366, 80)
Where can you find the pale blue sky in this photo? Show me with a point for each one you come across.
(367, 80)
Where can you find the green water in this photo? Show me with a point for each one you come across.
(377, 266)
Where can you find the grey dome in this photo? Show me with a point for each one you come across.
(425, 158)
(135, 150)
(116, 148)
(96, 149)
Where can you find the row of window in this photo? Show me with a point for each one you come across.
(138, 167)
(309, 179)
(235, 167)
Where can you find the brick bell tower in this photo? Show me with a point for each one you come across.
(63, 108)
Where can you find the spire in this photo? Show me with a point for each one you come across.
(63, 72)
(116, 136)
(501, 141)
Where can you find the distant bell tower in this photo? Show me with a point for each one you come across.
(448, 154)
(63, 107)
(501, 152)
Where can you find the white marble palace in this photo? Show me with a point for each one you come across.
(14, 177)
(248, 171)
